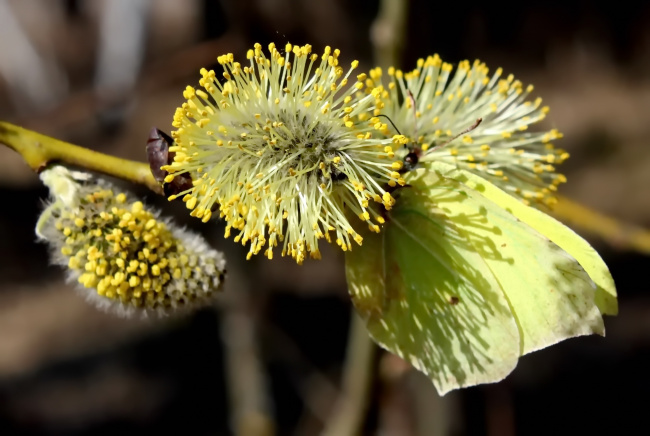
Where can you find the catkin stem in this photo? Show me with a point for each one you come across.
(617, 233)
(350, 412)
(40, 150)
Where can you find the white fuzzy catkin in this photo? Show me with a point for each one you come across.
(124, 256)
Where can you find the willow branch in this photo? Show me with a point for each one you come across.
(616, 233)
(38, 151)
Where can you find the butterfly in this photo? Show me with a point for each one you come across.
(464, 279)
(158, 155)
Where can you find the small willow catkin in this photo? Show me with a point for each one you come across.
(124, 256)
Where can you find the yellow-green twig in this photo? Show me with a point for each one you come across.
(617, 233)
(40, 150)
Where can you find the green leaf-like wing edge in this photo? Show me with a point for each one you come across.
(563, 236)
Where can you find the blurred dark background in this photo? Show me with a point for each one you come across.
(269, 359)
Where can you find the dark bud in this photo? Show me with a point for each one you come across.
(158, 145)
(158, 155)
(181, 183)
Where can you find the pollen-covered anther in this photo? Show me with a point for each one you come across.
(286, 135)
(500, 146)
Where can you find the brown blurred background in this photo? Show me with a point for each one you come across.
(269, 359)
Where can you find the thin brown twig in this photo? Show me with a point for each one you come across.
(249, 400)
(349, 412)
